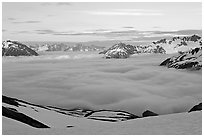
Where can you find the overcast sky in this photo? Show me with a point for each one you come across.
(95, 21)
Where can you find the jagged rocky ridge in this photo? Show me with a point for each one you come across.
(183, 40)
(15, 48)
(149, 113)
(191, 59)
(174, 45)
(121, 50)
(179, 44)
(32, 114)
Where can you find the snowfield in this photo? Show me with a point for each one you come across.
(172, 124)
(86, 80)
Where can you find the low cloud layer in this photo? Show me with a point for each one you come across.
(55, 4)
(71, 80)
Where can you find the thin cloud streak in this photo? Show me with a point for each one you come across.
(119, 34)
(55, 3)
(63, 3)
(22, 22)
(12, 19)
(128, 27)
(127, 12)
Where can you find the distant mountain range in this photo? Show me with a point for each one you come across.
(80, 47)
(174, 45)
(177, 44)
(65, 47)
(120, 50)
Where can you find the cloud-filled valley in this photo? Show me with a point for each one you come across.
(71, 80)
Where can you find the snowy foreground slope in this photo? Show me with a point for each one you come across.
(56, 122)
(173, 124)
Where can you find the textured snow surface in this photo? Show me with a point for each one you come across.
(173, 124)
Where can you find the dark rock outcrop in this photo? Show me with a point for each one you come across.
(187, 60)
(179, 44)
(14, 48)
(160, 41)
(151, 49)
(13, 114)
(12, 108)
(9, 101)
(193, 38)
(196, 108)
(110, 115)
(149, 113)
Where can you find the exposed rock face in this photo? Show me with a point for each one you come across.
(148, 113)
(14, 114)
(110, 115)
(196, 108)
(179, 44)
(159, 49)
(160, 41)
(187, 60)
(193, 38)
(120, 50)
(151, 49)
(14, 48)
(163, 46)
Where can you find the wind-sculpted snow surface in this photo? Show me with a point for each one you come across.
(93, 83)
(14, 48)
(187, 60)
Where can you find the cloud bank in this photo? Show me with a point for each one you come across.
(71, 80)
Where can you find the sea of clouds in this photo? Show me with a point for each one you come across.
(87, 80)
